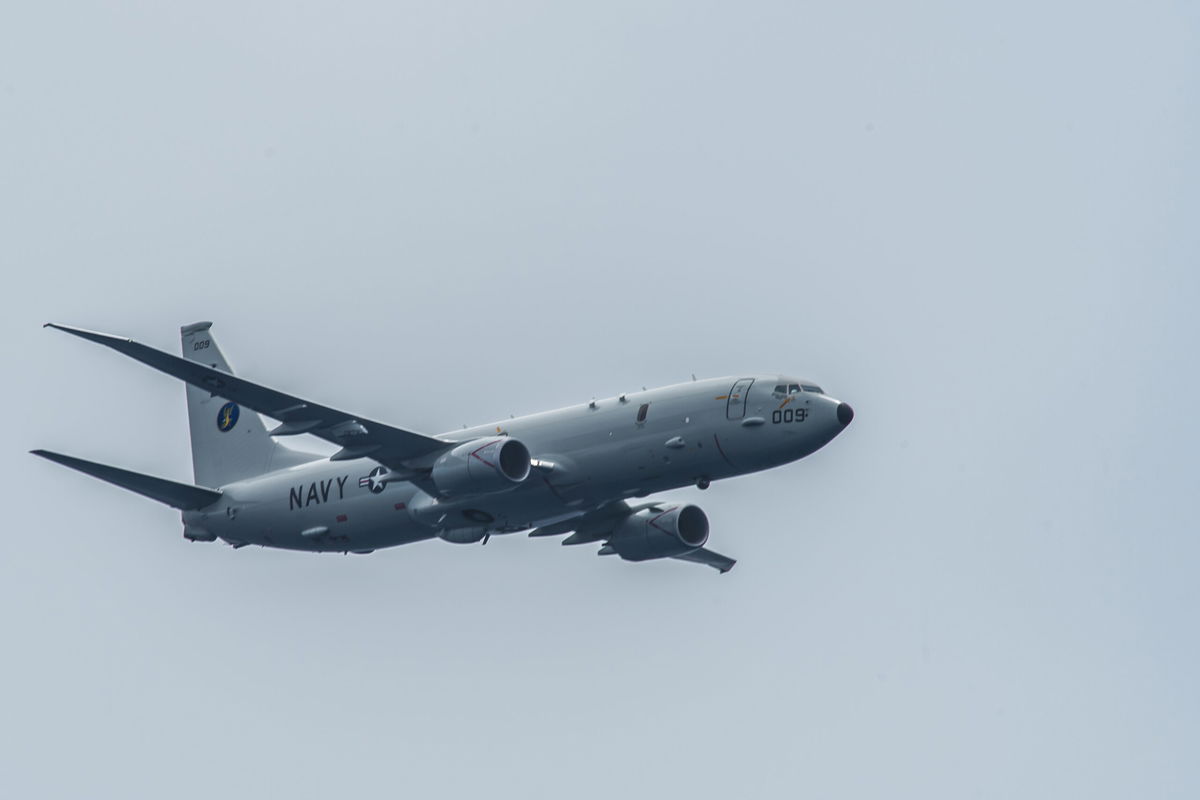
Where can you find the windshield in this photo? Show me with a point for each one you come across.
(793, 388)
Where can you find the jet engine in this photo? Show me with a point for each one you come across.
(660, 532)
(481, 466)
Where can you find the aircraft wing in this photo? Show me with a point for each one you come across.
(358, 437)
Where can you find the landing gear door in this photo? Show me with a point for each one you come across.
(735, 406)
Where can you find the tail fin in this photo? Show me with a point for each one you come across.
(229, 443)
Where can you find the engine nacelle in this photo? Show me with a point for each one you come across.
(482, 466)
(660, 534)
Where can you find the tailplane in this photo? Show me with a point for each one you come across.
(183, 496)
(229, 443)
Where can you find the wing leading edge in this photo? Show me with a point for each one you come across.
(358, 436)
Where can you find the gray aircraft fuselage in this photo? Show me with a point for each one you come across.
(585, 455)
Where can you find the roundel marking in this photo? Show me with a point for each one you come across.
(375, 481)
(227, 417)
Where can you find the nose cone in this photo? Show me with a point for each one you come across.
(845, 413)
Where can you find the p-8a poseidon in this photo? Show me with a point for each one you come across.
(582, 470)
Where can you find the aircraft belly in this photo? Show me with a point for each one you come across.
(525, 507)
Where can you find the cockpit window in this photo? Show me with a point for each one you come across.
(793, 388)
(645, 409)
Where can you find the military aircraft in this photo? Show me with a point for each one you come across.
(581, 470)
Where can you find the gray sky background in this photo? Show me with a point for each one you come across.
(977, 224)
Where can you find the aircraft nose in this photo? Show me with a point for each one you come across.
(845, 413)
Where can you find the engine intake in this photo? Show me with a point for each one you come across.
(482, 466)
(659, 533)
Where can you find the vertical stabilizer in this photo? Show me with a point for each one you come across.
(229, 443)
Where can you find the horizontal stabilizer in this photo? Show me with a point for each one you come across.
(717, 561)
(357, 436)
(183, 496)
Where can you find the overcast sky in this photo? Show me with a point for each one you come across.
(977, 224)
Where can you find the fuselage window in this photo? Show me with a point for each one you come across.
(641, 417)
